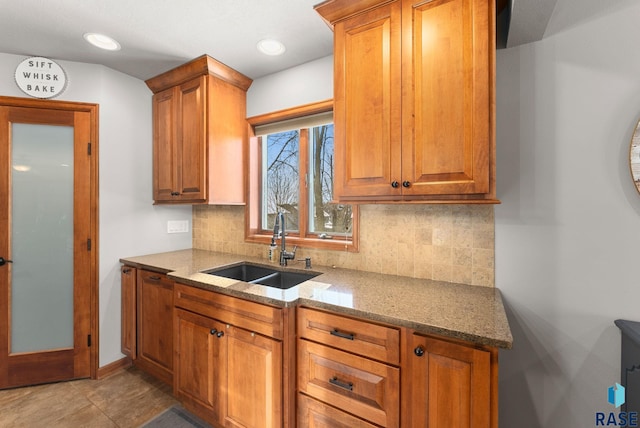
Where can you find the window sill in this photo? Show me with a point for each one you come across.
(337, 243)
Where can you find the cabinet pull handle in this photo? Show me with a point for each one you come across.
(175, 193)
(336, 332)
(406, 183)
(419, 351)
(213, 331)
(344, 385)
(126, 270)
(220, 334)
(395, 184)
(154, 278)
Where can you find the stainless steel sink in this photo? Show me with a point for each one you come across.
(263, 275)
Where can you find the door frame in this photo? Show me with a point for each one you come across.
(93, 110)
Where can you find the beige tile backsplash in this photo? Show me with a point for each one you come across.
(453, 243)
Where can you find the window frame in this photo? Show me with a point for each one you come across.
(253, 222)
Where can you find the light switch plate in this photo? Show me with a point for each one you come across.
(177, 226)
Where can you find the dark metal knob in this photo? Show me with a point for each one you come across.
(4, 261)
(220, 334)
(213, 331)
(419, 351)
(175, 193)
(395, 184)
(406, 184)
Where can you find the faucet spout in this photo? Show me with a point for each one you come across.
(276, 230)
(280, 219)
(284, 254)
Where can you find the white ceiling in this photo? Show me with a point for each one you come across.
(157, 35)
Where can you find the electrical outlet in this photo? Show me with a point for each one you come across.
(178, 226)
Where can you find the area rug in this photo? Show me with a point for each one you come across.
(176, 417)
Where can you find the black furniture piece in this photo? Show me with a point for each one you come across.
(630, 364)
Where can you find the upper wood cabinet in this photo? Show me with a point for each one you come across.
(199, 133)
(414, 100)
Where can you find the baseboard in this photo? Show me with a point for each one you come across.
(113, 367)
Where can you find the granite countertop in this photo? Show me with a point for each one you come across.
(471, 313)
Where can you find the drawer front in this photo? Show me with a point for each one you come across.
(360, 337)
(252, 316)
(362, 387)
(315, 414)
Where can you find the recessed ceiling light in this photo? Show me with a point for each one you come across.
(271, 47)
(22, 168)
(101, 41)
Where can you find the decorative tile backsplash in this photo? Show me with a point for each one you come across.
(453, 243)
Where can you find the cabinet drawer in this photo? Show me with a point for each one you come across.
(363, 387)
(252, 316)
(360, 337)
(315, 414)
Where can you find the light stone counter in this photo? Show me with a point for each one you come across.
(471, 313)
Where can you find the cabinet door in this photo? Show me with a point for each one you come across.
(199, 367)
(447, 106)
(191, 149)
(128, 302)
(165, 162)
(179, 151)
(367, 102)
(155, 325)
(451, 385)
(253, 381)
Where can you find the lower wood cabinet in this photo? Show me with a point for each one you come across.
(350, 365)
(155, 324)
(238, 363)
(452, 385)
(350, 375)
(128, 310)
(228, 375)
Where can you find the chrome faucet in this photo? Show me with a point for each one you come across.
(284, 254)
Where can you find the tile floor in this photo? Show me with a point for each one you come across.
(126, 399)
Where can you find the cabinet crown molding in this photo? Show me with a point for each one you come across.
(335, 10)
(202, 65)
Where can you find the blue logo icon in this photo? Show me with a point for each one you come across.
(616, 395)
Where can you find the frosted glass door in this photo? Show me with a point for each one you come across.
(42, 237)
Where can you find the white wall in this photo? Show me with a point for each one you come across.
(129, 224)
(304, 84)
(568, 229)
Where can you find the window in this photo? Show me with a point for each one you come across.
(291, 171)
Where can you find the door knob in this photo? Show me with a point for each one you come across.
(4, 261)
